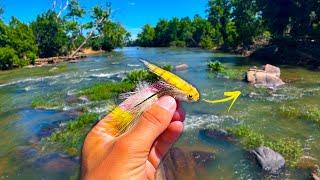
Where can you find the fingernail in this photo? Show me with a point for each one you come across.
(168, 103)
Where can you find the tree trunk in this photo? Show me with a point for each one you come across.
(87, 38)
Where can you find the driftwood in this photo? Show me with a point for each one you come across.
(55, 60)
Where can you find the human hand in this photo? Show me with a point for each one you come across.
(136, 154)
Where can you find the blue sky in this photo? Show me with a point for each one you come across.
(132, 14)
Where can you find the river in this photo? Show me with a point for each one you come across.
(20, 124)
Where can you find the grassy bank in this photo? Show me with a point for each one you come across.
(291, 149)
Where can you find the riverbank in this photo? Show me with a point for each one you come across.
(302, 52)
(54, 60)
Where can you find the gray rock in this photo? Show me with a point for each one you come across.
(83, 99)
(269, 160)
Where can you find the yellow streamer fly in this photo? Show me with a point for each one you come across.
(124, 116)
(187, 89)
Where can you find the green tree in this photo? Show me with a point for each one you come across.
(99, 18)
(277, 15)
(50, 35)
(147, 36)
(204, 34)
(161, 32)
(8, 57)
(20, 37)
(247, 21)
(173, 29)
(72, 24)
(220, 16)
(3, 34)
(186, 31)
(19, 40)
(113, 36)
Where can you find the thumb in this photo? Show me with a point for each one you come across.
(153, 122)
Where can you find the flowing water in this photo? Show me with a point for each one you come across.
(20, 124)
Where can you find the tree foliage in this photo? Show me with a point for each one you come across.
(113, 35)
(147, 36)
(295, 18)
(8, 57)
(219, 15)
(50, 35)
(197, 32)
(72, 24)
(17, 43)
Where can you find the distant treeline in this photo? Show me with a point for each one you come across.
(58, 33)
(238, 23)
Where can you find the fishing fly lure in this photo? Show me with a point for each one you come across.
(128, 112)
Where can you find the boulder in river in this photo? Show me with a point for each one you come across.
(268, 76)
(184, 164)
(181, 67)
(218, 134)
(270, 161)
(25, 152)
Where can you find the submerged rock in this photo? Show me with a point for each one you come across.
(218, 134)
(181, 67)
(269, 160)
(183, 164)
(268, 76)
(72, 99)
(202, 158)
(25, 152)
(308, 162)
(57, 162)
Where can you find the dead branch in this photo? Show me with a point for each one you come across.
(63, 8)
(88, 37)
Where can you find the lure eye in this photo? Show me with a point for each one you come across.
(189, 96)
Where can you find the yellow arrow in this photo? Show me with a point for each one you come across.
(230, 96)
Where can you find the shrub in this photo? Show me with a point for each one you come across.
(177, 44)
(50, 36)
(216, 66)
(249, 138)
(8, 58)
(136, 76)
(206, 42)
(167, 67)
(139, 75)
